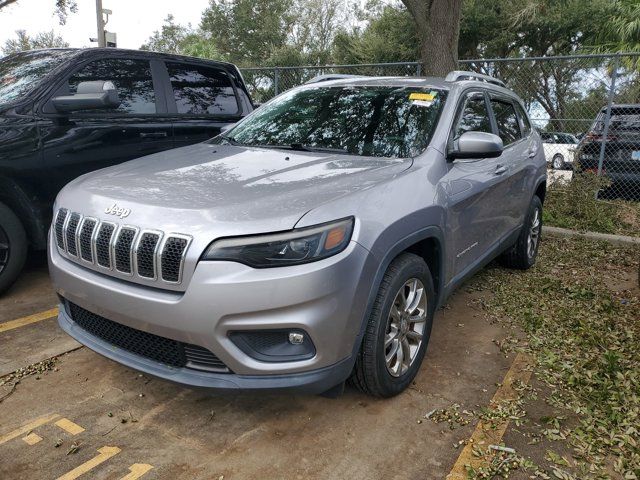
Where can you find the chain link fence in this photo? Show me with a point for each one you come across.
(586, 107)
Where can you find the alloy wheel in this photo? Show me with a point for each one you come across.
(534, 233)
(405, 327)
(558, 163)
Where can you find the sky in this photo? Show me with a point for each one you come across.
(133, 20)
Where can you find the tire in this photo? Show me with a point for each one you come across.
(522, 255)
(372, 374)
(13, 247)
(558, 162)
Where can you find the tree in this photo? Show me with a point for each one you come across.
(620, 30)
(248, 31)
(438, 26)
(389, 36)
(169, 38)
(315, 27)
(25, 42)
(63, 8)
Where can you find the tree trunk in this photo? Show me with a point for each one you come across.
(438, 26)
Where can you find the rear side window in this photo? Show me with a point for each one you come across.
(625, 119)
(507, 120)
(202, 90)
(474, 117)
(131, 77)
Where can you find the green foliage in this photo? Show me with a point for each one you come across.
(175, 38)
(390, 36)
(248, 31)
(585, 346)
(620, 30)
(25, 42)
(574, 205)
(169, 38)
(63, 8)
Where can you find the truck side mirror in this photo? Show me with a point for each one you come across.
(89, 95)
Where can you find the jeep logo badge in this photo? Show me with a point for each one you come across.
(117, 211)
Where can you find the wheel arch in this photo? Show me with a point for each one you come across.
(32, 218)
(427, 243)
(541, 189)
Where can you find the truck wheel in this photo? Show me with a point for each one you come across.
(524, 252)
(13, 247)
(398, 329)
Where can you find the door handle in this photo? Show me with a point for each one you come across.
(153, 134)
(532, 152)
(500, 169)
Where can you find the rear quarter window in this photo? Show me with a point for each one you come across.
(201, 90)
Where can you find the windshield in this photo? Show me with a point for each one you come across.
(21, 72)
(370, 121)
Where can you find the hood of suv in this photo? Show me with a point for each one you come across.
(238, 190)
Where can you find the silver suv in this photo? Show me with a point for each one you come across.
(308, 244)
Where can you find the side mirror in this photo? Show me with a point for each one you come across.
(477, 145)
(90, 95)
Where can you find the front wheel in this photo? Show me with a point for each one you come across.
(13, 247)
(524, 252)
(398, 329)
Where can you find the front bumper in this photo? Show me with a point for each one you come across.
(326, 299)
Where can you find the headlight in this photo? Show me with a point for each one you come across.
(299, 246)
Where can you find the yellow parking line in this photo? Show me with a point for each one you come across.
(28, 427)
(105, 454)
(32, 439)
(21, 322)
(136, 471)
(485, 435)
(70, 427)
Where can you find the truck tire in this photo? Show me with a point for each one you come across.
(524, 252)
(13, 247)
(406, 293)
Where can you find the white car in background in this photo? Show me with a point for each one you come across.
(559, 149)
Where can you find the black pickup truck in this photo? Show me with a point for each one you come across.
(65, 112)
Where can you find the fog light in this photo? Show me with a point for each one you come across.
(296, 338)
(275, 345)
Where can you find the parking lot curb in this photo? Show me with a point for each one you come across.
(617, 239)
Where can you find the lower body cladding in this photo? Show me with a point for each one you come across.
(234, 327)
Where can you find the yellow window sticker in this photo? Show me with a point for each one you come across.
(427, 97)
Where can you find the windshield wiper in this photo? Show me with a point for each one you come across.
(231, 141)
(308, 148)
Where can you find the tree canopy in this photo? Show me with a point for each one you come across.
(317, 32)
(25, 42)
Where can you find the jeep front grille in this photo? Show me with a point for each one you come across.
(124, 250)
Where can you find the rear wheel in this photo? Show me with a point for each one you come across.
(524, 252)
(13, 247)
(398, 329)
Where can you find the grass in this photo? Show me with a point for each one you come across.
(574, 205)
(579, 309)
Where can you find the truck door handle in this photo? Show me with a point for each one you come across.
(500, 169)
(532, 152)
(153, 134)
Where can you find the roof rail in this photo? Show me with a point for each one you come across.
(459, 75)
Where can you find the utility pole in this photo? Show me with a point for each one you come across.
(100, 23)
